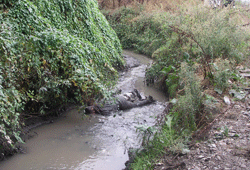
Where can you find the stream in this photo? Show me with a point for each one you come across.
(96, 142)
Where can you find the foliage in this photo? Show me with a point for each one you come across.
(189, 44)
(223, 71)
(172, 80)
(166, 139)
(191, 34)
(53, 53)
(11, 106)
(143, 34)
(188, 110)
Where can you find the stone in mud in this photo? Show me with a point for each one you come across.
(131, 62)
(122, 102)
(227, 100)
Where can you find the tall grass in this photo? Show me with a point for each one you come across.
(190, 43)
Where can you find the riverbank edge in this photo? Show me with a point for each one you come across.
(28, 124)
(226, 137)
(34, 121)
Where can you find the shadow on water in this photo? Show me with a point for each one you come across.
(96, 142)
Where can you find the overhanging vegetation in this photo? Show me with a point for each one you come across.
(52, 52)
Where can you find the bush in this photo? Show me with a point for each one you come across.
(140, 32)
(189, 106)
(222, 71)
(53, 53)
(179, 39)
(190, 34)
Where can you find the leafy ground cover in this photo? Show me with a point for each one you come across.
(52, 53)
(196, 52)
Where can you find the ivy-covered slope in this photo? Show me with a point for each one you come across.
(52, 52)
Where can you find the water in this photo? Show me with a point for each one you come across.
(96, 142)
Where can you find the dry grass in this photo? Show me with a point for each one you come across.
(150, 5)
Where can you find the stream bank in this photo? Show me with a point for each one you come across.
(95, 142)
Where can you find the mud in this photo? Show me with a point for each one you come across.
(93, 142)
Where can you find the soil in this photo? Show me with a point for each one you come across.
(227, 143)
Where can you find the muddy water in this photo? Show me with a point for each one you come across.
(97, 142)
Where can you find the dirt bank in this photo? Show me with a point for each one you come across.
(227, 140)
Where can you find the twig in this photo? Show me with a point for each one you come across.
(190, 35)
(176, 156)
(211, 123)
(246, 24)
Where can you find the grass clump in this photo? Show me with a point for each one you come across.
(166, 139)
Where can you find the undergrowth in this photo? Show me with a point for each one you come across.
(52, 53)
(194, 48)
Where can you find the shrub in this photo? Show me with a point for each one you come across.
(53, 53)
(190, 34)
(189, 106)
(222, 71)
(177, 39)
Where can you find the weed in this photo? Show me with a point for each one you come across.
(225, 131)
(222, 72)
(180, 37)
(165, 139)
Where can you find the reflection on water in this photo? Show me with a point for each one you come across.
(95, 143)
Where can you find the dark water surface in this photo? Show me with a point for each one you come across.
(94, 143)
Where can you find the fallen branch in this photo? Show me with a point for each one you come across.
(246, 24)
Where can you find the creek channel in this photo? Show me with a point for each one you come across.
(97, 142)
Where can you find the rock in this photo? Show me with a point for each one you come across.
(245, 75)
(222, 143)
(245, 71)
(239, 95)
(232, 135)
(243, 166)
(159, 164)
(218, 158)
(213, 146)
(237, 106)
(197, 145)
(200, 156)
(196, 168)
(227, 100)
(244, 113)
(207, 159)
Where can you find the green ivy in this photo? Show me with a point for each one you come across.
(53, 52)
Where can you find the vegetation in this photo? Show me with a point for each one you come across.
(194, 48)
(52, 53)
